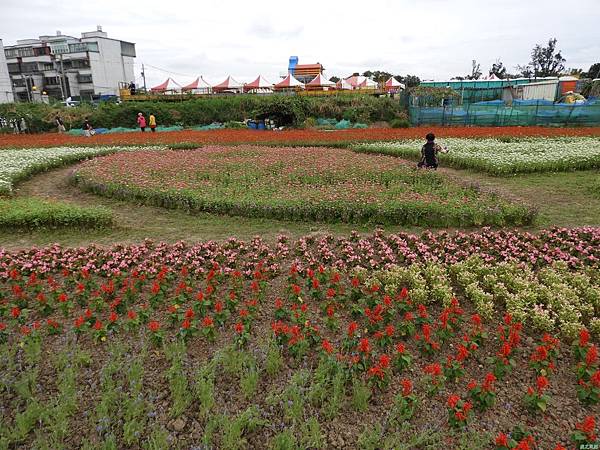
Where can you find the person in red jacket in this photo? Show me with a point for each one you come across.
(141, 120)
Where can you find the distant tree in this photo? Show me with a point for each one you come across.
(409, 80)
(547, 61)
(574, 72)
(593, 72)
(525, 71)
(377, 75)
(498, 69)
(475, 71)
(335, 79)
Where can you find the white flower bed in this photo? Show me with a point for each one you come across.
(18, 164)
(502, 158)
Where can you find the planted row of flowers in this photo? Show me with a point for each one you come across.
(306, 137)
(579, 248)
(368, 337)
(500, 157)
(307, 184)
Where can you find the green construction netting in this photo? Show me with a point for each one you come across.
(497, 113)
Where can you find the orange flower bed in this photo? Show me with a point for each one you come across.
(287, 137)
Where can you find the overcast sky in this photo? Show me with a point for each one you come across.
(434, 39)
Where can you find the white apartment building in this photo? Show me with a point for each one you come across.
(65, 66)
(6, 92)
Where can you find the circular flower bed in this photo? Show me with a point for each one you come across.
(306, 184)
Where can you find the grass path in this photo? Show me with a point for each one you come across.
(563, 199)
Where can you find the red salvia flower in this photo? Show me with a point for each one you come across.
(406, 387)
(453, 399)
(15, 312)
(542, 383)
(502, 440)
(352, 327)
(207, 321)
(584, 337)
(326, 345)
(384, 361)
(97, 325)
(132, 314)
(364, 346)
(591, 356)
(239, 328)
(154, 326)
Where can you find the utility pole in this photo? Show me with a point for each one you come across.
(62, 78)
(144, 77)
(26, 79)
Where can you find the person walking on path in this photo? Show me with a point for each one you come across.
(88, 130)
(59, 124)
(152, 122)
(429, 153)
(141, 120)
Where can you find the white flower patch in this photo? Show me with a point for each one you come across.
(18, 164)
(498, 157)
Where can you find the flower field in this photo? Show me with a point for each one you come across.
(500, 157)
(303, 137)
(296, 183)
(456, 340)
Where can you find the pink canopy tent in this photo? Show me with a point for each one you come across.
(320, 82)
(168, 85)
(360, 82)
(289, 82)
(393, 85)
(230, 84)
(198, 86)
(259, 85)
(343, 84)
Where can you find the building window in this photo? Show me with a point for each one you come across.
(13, 68)
(30, 67)
(92, 47)
(41, 51)
(10, 52)
(127, 49)
(80, 63)
(51, 81)
(23, 52)
(19, 82)
(84, 78)
(48, 66)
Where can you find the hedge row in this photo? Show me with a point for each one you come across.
(408, 213)
(287, 110)
(33, 213)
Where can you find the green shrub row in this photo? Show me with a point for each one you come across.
(285, 109)
(33, 213)
(411, 213)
